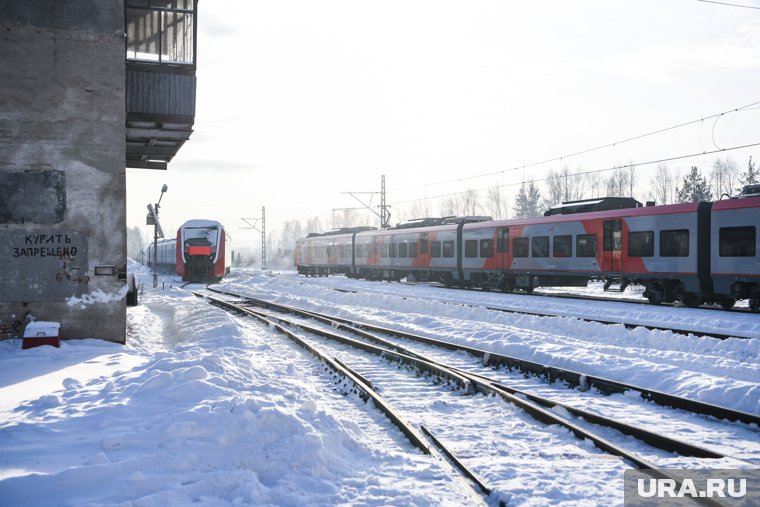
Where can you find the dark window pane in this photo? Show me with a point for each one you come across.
(641, 244)
(448, 249)
(585, 245)
(563, 246)
(520, 247)
(503, 245)
(540, 246)
(674, 243)
(402, 250)
(393, 250)
(384, 250)
(423, 244)
(486, 248)
(435, 249)
(737, 241)
(471, 248)
(413, 249)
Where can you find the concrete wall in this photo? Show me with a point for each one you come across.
(62, 174)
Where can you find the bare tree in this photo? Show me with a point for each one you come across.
(594, 184)
(314, 224)
(661, 185)
(563, 186)
(632, 177)
(498, 204)
(724, 177)
(449, 206)
(419, 209)
(617, 183)
(470, 202)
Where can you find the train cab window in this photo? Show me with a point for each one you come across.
(413, 249)
(423, 244)
(502, 245)
(393, 250)
(448, 249)
(486, 248)
(562, 246)
(471, 248)
(674, 243)
(520, 247)
(737, 241)
(540, 246)
(403, 250)
(585, 245)
(384, 250)
(641, 244)
(435, 249)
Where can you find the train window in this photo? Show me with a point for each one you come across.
(403, 249)
(471, 248)
(359, 251)
(503, 244)
(585, 245)
(540, 246)
(674, 243)
(486, 248)
(423, 244)
(393, 250)
(384, 250)
(563, 246)
(641, 244)
(520, 247)
(435, 249)
(737, 241)
(448, 249)
(413, 249)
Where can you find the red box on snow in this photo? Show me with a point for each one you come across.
(41, 333)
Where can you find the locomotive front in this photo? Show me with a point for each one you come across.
(199, 250)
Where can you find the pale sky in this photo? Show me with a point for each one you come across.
(300, 101)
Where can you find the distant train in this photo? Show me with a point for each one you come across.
(695, 253)
(201, 252)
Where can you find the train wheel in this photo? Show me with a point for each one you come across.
(654, 298)
(754, 305)
(727, 303)
(691, 300)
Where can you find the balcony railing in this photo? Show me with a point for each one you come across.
(160, 79)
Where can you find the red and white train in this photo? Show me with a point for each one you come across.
(201, 252)
(696, 253)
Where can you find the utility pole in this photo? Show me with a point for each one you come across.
(253, 224)
(384, 215)
(158, 232)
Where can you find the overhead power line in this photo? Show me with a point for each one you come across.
(583, 173)
(729, 4)
(581, 152)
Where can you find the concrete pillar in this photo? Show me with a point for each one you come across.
(62, 166)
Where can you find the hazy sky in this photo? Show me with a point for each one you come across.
(299, 101)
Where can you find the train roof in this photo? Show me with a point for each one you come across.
(201, 223)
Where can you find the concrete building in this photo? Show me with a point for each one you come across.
(70, 123)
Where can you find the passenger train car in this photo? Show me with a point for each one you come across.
(695, 253)
(201, 252)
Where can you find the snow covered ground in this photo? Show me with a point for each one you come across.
(202, 407)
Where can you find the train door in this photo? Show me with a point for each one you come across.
(612, 261)
(502, 248)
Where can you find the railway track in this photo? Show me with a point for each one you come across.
(581, 422)
(628, 325)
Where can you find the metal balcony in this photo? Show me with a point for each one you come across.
(160, 79)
